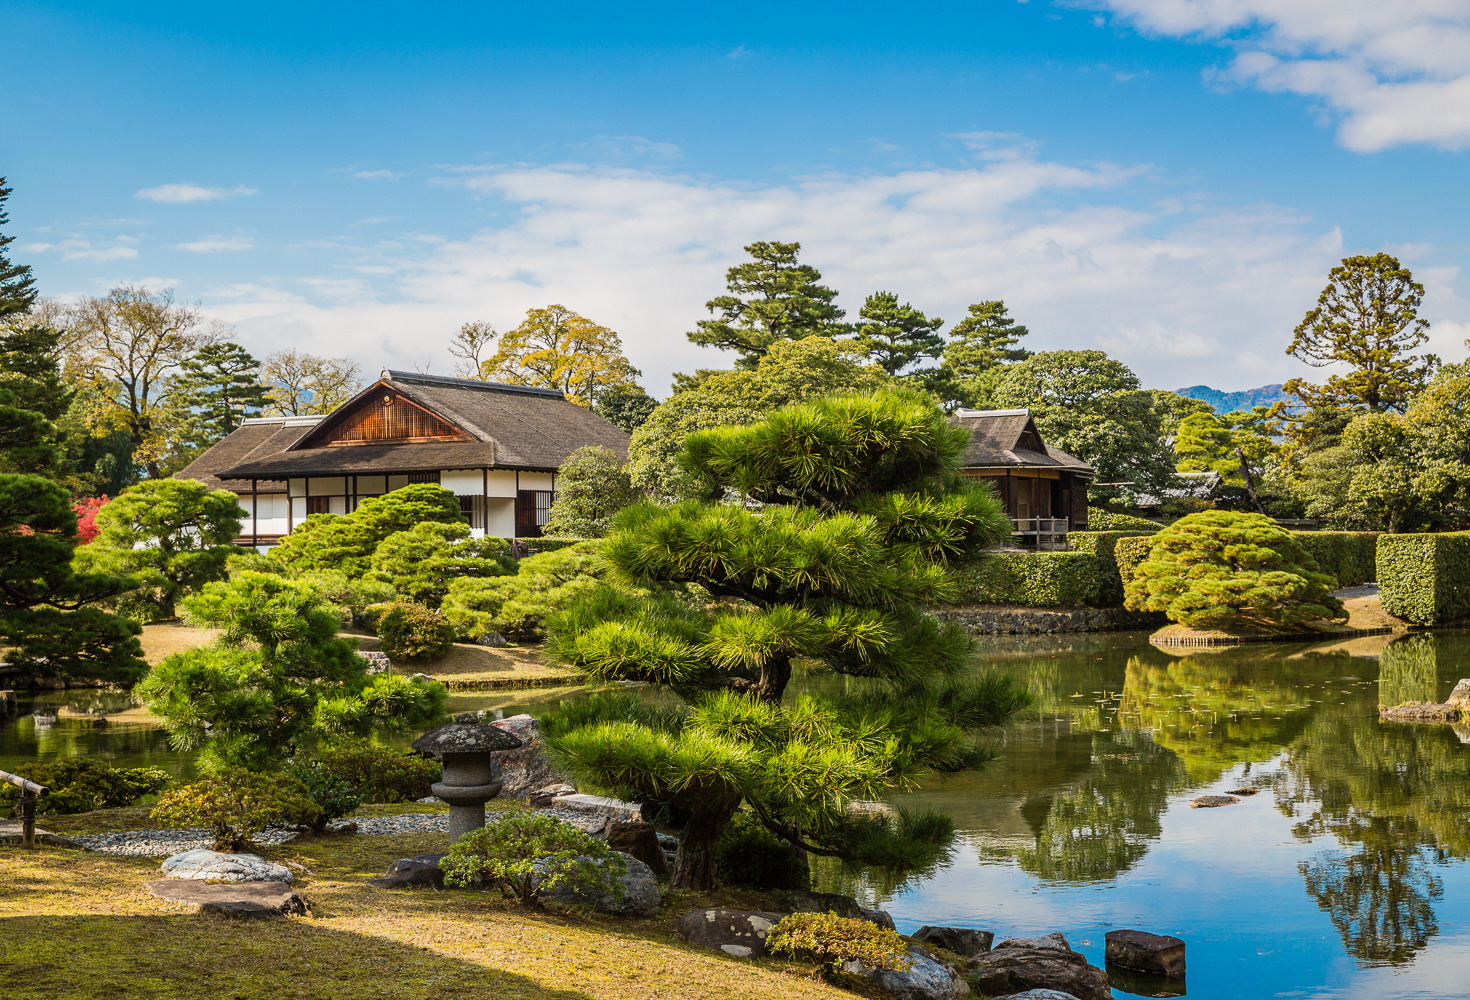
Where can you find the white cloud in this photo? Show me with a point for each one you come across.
(214, 244)
(1183, 289)
(121, 248)
(376, 175)
(1393, 72)
(176, 194)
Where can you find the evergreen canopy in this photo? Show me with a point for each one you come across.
(860, 508)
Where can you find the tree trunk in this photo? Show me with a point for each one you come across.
(695, 866)
(1250, 486)
(775, 675)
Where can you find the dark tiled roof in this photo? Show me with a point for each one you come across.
(251, 440)
(514, 427)
(996, 440)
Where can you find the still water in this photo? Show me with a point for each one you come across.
(1344, 877)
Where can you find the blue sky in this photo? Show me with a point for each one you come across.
(1168, 180)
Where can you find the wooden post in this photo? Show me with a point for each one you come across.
(485, 501)
(254, 513)
(28, 792)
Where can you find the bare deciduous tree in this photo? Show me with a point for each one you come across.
(299, 384)
(471, 346)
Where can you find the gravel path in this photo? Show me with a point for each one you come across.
(165, 843)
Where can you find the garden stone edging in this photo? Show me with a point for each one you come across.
(999, 620)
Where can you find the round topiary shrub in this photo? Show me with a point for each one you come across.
(413, 633)
(333, 796)
(1230, 570)
(751, 855)
(525, 854)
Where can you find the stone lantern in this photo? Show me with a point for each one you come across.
(471, 777)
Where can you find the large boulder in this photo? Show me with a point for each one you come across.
(741, 933)
(926, 978)
(1045, 963)
(213, 866)
(524, 770)
(800, 901)
(640, 840)
(418, 872)
(243, 900)
(963, 941)
(640, 893)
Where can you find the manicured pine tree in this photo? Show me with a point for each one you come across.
(846, 510)
(219, 386)
(895, 336)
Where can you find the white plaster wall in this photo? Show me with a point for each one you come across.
(502, 517)
(502, 484)
(462, 482)
(536, 480)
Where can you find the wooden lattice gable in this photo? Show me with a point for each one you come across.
(1030, 438)
(382, 414)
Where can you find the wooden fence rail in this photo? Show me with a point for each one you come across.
(28, 792)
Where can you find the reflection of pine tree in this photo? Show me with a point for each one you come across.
(1103, 826)
(1408, 671)
(1379, 898)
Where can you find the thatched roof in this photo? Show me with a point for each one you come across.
(1009, 439)
(256, 437)
(509, 426)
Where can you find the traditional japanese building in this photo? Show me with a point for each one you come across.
(496, 447)
(1044, 489)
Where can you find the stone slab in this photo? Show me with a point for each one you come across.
(600, 805)
(10, 836)
(1141, 951)
(243, 900)
(213, 866)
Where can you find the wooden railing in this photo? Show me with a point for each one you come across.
(28, 792)
(1046, 530)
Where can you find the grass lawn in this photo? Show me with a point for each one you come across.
(81, 925)
(478, 666)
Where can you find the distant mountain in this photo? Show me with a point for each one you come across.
(1228, 402)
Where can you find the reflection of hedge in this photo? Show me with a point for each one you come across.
(1348, 555)
(1032, 579)
(1425, 579)
(1102, 545)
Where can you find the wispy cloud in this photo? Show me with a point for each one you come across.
(214, 244)
(1391, 73)
(376, 175)
(178, 194)
(76, 248)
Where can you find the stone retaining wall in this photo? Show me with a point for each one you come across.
(999, 620)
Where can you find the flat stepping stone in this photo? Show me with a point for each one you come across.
(241, 900)
(600, 805)
(1212, 801)
(10, 836)
(213, 866)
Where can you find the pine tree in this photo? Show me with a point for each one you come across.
(978, 345)
(1368, 318)
(771, 298)
(860, 508)
(218, 387)
(896, 336)
(17, 284)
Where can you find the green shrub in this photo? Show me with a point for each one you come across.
(524, 854)
(351, 597)
(81, 784)
(1103, 546)
(333, 796)
(517, 606)
(751, 855)
(1350, 556)
(549, 544)
(592, 485)
(1128, 553)
(377, 773)
(1031, 579)
(1425, 579)
(345, 543)
(1223, 569)
(831, 941)
(235, 803)
(1102, 519)
(412, 633)
(419, 563)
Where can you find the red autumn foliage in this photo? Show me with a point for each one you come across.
(86, 510)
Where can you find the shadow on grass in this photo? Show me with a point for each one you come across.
(113, 957)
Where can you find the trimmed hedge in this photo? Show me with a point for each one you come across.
(1351, 556)
(1129, 552)
(553, 544)
(1099, 519)
(1425, 579)
(1032, 579)
(1102, 545)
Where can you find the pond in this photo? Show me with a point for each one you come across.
(1344, 877)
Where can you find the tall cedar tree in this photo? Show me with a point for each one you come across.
(221, 386)
(896, 336)
(45, 618)
(772, 298)
(1367, 317)
(17, 284)
(860, 508)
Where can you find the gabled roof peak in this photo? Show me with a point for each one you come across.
(962, 412)
(415, 378)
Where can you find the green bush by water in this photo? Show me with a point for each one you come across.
(81, 784)
(750, 855)
(1425, 579)
(412, 633)
(377, 773)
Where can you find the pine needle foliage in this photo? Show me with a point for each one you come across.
(823, 532)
